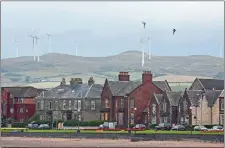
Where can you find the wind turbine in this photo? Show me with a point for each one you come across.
(49, 42)
(76, 47)
(143, 54)
(33, 42)
(149, 48)
(17, 49)
(220, 48)
(36, 43)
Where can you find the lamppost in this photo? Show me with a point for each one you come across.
(78, 128)
(190, 125)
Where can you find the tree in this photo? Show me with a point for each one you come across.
(91, 81)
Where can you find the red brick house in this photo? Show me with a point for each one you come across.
(116, 95)
(18, 102)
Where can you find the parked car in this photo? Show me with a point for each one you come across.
(217, 127)
(163, 126)
(44, 126)
(178, 128)
(139, 126)
(108, 125)
(32, 125)
(200, 128)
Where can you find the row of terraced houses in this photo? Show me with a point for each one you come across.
(123, 101)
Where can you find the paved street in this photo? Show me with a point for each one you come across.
(59, 142)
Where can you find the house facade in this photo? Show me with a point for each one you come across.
(199, 107)
(125, 101)
(164, 107)
(70, 102)
(18, 102)
(221, 108)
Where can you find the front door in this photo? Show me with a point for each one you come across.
(121, 119)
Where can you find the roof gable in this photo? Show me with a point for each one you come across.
(209, 84)
(173, 97)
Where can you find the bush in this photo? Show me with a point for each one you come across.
(83, 123)
(19, 124)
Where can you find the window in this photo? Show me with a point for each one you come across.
(153, 108)
(38, 105)
(79, 117)
(132, 103)
(106, 103)
(93, 105)
(21, 100)
(79, 105)
(164, 106)
(165, 119)
(153, 119)
(75, 104)
(42, 104)
(185, 105)
(21, 110)
(132, 118)
(70, 102)
(222, 119)
(222, 104)
(179, 108)
(121, 104)
(50, 105)
(64, 104)
(102, 116)
(56, 105)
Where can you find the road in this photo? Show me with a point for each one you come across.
(60, 142)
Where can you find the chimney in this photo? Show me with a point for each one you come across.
(124, 76)
(146, 76)
(71, 81)
(63, 82)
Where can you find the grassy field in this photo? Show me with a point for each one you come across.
(122, 131)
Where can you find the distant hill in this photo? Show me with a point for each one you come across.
(58, 65)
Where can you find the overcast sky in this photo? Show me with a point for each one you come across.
(103, 27)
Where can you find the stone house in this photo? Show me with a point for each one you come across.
(70, 102)
(163, 107)
(116, 95)
(199, 107)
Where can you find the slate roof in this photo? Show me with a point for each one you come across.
(173, 97)
(211, 96)
(74, 91)
(158, 97)
(209, 84)
(23, 92)
(121, 88)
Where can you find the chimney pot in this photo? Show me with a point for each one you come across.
(124, 76)
(146, 76)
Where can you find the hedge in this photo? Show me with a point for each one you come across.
(83, 123)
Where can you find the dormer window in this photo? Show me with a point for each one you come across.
(164, 106)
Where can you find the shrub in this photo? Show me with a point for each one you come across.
(19, 124)
(83, 123)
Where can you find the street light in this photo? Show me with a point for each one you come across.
(202, 95)
(191, 119)
(78, 129)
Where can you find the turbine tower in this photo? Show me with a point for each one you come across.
(17, 49)
(149, 48)
(220, 48)
(143, 53)
(36, 43)
(76, 47)
(49, 42)
(33, 43)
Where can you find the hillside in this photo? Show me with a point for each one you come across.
(57, 65)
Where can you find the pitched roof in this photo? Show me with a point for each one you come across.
(23, 92)
(209, 84)
(121, 88)
(173, 97)
(210, 95)
(158, 97)
(222, 94)
(74, 91)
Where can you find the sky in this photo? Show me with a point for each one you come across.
(109, 28)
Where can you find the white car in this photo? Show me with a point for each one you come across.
(44, 126)
(216, 128)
